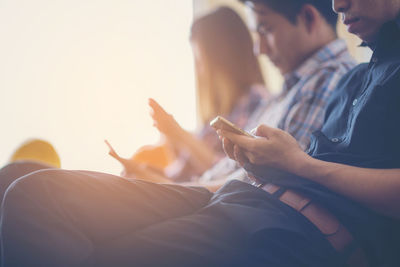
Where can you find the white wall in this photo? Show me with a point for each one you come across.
(75, 72)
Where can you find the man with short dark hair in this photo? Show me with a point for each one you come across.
(300, 38)
(334, 206)
(291, 8)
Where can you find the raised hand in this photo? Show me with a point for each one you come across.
(134, 169)
(201, 155)
(164, 121)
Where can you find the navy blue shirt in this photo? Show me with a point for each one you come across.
(361, 126)
(362, 129)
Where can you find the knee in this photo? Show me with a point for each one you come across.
(35, 178)
(18, 169)
(13, 171)
(26, 187)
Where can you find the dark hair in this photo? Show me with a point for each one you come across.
(291, 8)
(230, 65)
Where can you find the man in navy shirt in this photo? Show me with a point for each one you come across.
(333, 206)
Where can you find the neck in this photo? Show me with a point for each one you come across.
(313, 47)
(323, 35)
(323, 41)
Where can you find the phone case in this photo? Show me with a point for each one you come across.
(223, 124)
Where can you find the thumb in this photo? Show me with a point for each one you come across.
(264, 131)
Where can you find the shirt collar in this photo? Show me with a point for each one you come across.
(330, 51)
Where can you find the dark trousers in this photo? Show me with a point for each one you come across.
(80, 218)
(13, 171)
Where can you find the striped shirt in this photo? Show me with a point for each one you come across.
(300, 107)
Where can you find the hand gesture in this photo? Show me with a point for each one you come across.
(134, 169)
(164, 122)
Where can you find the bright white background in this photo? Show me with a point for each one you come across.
(75, 72)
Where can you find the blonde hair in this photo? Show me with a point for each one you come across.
(230, 67)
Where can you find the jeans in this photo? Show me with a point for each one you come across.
(80, 218)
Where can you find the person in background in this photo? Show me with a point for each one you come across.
(300, 38)
(229, 82)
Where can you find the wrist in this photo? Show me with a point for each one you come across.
(300, 164)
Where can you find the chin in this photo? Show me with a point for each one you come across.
(370, 35)
(368, 38)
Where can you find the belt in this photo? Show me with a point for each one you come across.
(333, 230)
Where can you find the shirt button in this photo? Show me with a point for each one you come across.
(335, 140)
(374, 59)
(355, 102)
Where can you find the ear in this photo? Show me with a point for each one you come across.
(308, 16)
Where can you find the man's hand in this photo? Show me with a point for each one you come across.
(272, 147)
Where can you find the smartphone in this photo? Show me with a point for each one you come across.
(129, 165)
(220, 123)
(115, 155)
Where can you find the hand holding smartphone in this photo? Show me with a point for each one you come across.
(137, 170)
(114, 154)
(220, 123)
(128, 165)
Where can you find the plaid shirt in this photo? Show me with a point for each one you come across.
(300, 107)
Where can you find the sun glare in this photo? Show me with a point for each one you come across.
(78, 72)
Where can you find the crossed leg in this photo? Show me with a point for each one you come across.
(80, 218)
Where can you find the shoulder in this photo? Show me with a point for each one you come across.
(328, 75)
(334, 58)
(341, 64)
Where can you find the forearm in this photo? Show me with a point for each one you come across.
(200, 153)
(181, 138)
(379, 189)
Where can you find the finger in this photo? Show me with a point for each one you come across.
(151, 112)
(264, 131)
(228, 148)
(155, 111)
(240, 140)
(240, 156)
(156, 125)
(157, 108)
(153, 103)
(251, 158)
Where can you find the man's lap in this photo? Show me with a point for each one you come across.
(240, 226)
(114, 219)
